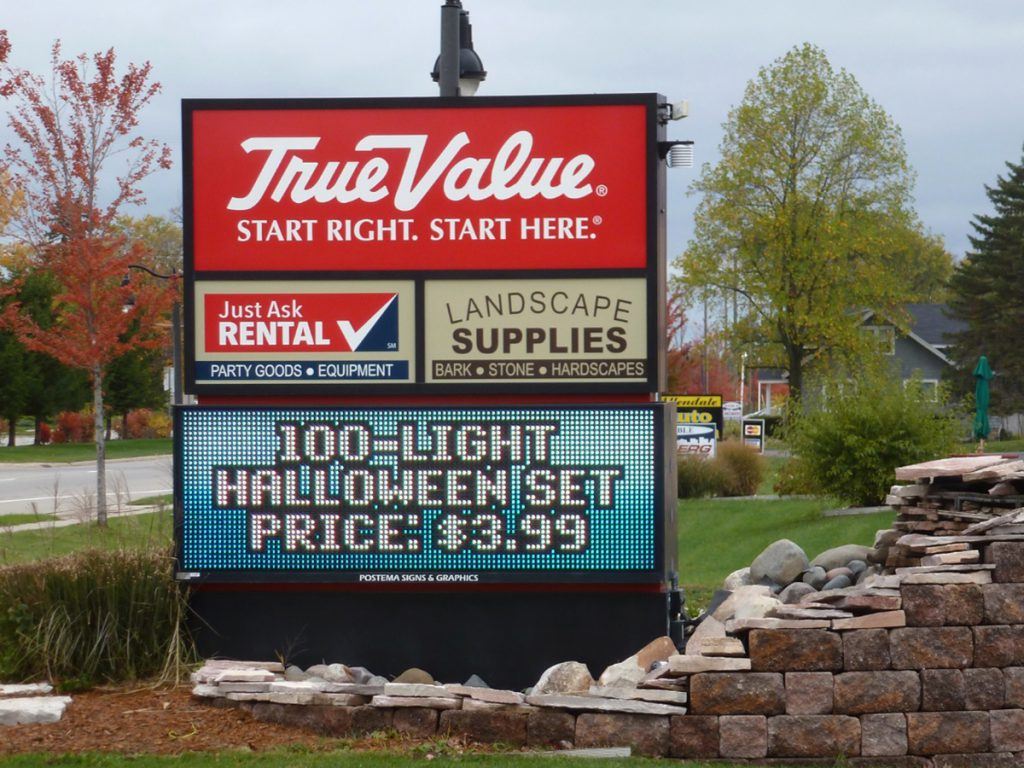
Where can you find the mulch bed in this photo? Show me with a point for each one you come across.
(157, 721)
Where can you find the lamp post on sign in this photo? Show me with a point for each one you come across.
(458, 71)
(175, 330)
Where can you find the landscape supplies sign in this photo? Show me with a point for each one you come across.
(422, 495)
(536, 330)
(446, 212)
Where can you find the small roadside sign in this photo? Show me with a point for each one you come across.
(753, 434)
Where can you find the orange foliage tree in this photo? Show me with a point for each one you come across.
(70, 129)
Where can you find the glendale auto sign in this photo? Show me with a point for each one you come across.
(414, 196)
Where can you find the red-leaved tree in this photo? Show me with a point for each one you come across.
(71, 128)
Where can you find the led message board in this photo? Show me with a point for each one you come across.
(437, 206)
(423, 495)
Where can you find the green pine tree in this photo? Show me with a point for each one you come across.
(988, 294)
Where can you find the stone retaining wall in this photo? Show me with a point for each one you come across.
(947, 689)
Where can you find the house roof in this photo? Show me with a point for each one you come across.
(933, 323)
(930, 326)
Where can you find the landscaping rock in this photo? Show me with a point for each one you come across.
(841, 571)
(857, 566)
(567, 677)
(33, 709)
(795, 591)
(841, 581)
(632, 670)
(293, 673)
(737, 579)
(415, 675)
(475, 681)
(838, 557)
(708, 629)
(815, 576)
(782, 562)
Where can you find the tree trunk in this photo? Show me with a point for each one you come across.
(101, 447)
(108, 426)
(12, 427)
(796, 371)
(124, 425)
(37, 420)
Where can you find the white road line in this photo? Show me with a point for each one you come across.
(79, 495)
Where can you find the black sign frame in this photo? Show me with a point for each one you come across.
(654, 273)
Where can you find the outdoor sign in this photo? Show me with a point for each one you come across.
(449, 209)
(699, 410)
(732, 410)
(405, 495)
(324, 331)
(536, 330)
(753, 434)
(696, 440)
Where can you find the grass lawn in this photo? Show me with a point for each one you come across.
(27, 517)
(719, 537)
(422, 756)
(999, 446)
(116, 449)
(153, 529)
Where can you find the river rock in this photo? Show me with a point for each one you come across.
(839, 582)
(737, 579)
(838, 557)
(815, 576)
(782, 562)
(567, 677)
(857, 566)
(794, 592)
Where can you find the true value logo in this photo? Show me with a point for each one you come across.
(512, 172)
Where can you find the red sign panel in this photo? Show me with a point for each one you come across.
(297, 322)
(527, 187)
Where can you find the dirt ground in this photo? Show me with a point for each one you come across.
(155, 721)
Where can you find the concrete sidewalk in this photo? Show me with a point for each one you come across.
(66, 522)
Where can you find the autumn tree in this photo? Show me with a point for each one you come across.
(806, 215)
(987, 294)
(71, 130)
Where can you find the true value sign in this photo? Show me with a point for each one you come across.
(408, 244)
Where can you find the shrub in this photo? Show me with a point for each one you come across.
(852, 446)
(144, 423)
(95, 616)
(742, 468)
(793, 478)
(74, 427)
(45, 435)
(697, 478)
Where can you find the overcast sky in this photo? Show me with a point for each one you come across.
(950, 73)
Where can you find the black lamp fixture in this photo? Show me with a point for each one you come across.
(458, 71)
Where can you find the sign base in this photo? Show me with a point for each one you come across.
(507, 638)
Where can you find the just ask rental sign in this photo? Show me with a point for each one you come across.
(402, 186)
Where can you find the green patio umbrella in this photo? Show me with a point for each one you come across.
(982, 374)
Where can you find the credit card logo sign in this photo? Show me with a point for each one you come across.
(301, 322)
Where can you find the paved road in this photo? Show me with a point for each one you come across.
(70, 489)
